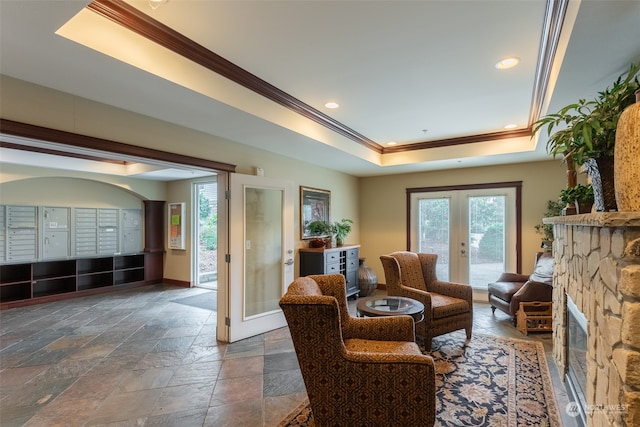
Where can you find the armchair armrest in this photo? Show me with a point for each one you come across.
(392, 328)
(424, 361)
(531, 291)
(456, 290)
(512, 277)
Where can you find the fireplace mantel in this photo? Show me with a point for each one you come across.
(597, 264)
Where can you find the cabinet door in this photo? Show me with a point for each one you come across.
(55, 237)
(131, 241)
(55, 218)
(22, 234)
(3, 234)
(131, 231)
(352, 282)
(108, 237)
(86, 231)
(55, 244)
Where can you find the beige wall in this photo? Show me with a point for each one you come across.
(383, 203)
(28, 103)
(376, 204)
(27, 185)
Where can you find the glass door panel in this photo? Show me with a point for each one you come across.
(433, 228)
(487, 222)
(263, 249)
(471, 231)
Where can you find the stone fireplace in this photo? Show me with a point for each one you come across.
(597, 275)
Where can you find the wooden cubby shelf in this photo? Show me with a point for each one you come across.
(27, 283)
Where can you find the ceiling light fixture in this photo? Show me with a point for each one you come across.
(391, 143)
(508, 62)
(511, 126)
(154, 4)
(332, 104)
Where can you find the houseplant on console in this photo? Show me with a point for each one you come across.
(340, 229)
(320, 230)
(589, 134)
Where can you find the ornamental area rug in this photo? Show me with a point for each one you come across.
(492, 381)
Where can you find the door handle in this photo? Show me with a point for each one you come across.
(289, 261)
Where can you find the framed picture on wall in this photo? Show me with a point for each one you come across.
(315, 205)
(176, 226)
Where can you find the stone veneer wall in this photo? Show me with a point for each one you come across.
(597, 263)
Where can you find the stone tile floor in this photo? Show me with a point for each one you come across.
(137, 358)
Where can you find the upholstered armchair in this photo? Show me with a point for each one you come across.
(447, 306)
(511, 289)
(357, 371)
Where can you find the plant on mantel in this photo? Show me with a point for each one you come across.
(581, 196)
(590, 126)
(587, 133)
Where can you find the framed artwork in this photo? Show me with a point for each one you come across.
(176, 225)
(314, 206)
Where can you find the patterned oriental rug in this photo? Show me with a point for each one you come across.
(493, 381)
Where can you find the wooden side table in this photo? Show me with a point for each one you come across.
(534, 317)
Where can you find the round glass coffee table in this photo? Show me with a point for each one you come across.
(376, 306)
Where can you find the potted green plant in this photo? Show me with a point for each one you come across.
(581, 196)
(341, 229)
(587, 133)
(320, 230)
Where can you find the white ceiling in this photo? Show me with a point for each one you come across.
(404, 71)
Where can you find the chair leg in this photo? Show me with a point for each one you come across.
(427, 343)
(468, 332)
(493, 309)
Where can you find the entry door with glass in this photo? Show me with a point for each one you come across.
(473, 232)
(260, 253)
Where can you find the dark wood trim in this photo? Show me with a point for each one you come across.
(508, 184)
(134, 20)
(26, 130)
(487, 137)
(42, 150)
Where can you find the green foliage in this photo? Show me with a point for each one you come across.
(580, 193)
(320, 228)
(434, 219)
(485, 211)
(342, 228)
(554, 208)
(204, 206)
(209, 232)
(589, 127)
(492, 243)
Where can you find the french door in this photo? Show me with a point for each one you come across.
(260, 256)
(473, 232)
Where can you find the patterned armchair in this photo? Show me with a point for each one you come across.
(447, 306)
(357, 371)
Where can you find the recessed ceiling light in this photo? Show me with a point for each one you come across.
(390, 143)
(508, 62)
(511, 126)
(332, 104)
